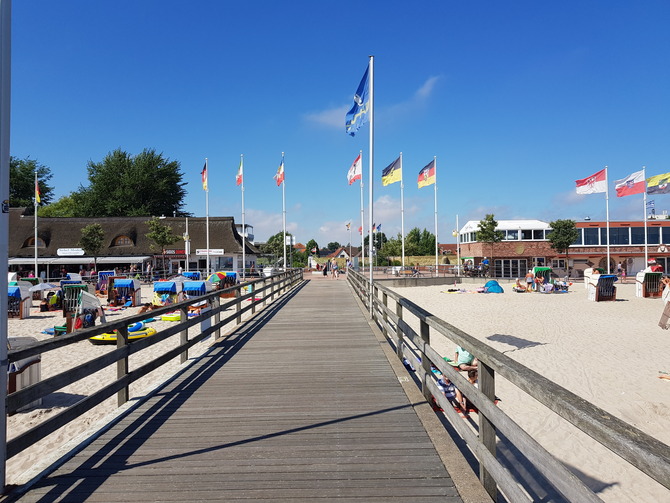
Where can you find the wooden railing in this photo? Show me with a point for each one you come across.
(391, 312)
(264, 290)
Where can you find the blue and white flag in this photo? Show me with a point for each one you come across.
(650, 205)
(358, 115)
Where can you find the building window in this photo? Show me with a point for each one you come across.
(527, 235)
(579, 239)
(538, 234)
(510, 268)
(558, 263)
(511, 235)
(591, 237)
(30, 243)
(637, 235)
(123, 241)
(653, 235)
(618, 236)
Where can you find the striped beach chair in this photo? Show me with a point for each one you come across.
(602, 287)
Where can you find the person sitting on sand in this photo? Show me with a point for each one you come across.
(465, 360)
(467, 405)
(518, 287)
(148, 306)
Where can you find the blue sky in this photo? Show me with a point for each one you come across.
(516, 99)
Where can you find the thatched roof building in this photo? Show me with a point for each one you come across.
(125, 242)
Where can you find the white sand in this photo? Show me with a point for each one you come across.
(583, 346)
(55, 361)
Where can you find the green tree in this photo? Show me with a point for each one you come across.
(333, 245)
(563, 234)
(92, 240)
(162, 236)
(22, 182)
(65, 207)
(488, 233)
(427, 243)
(122, 185)
(275, 246)
(312, 244)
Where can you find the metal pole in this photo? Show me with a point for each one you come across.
(187, 244)
(402, 213)
(283, 202)
(5, 104)
(206, 216)
(437, 264)
(372, 151)
(607, 212)
(244, 245)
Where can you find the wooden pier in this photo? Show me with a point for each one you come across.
(298, 404)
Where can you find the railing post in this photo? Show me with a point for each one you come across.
(424, 331)
(384, 315)
(216, 303)
(123, 395)
(183, 335)
(400, 339)
(238, 305)
(252, 291)
(487, 432)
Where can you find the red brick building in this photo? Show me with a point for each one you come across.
(525, 245)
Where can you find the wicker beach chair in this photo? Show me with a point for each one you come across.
(648, 284)
(602, 288)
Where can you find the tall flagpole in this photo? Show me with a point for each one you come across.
(437, 266)
(362, 211)
(458, 248)
(607, 212)
(35, 196)
(283, 198)
(5, 106)
(244, 245)
(206, 215)
(402, 213)
(644, 204)
(372, 153)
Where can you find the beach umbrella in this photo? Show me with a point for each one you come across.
(42, 286)
(216, 277)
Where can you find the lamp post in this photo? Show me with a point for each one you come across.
(187, 244)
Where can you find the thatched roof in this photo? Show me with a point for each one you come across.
(66, 233)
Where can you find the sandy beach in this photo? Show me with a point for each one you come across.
(55, 361)
(583, 346)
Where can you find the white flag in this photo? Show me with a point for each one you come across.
(355, 171)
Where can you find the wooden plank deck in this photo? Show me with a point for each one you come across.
(298, 405)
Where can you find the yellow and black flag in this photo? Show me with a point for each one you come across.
(392, 173)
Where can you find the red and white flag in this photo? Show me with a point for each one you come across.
(633, 184)
(279, 177)
(593, 184)
(239, 178)
(355, 171)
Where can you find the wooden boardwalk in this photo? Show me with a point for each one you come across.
(299, 404)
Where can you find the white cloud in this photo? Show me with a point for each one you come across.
(334, 117)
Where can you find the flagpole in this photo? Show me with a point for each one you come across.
(206, 216)
(607, 213)
(350, 240)
(362, 211)
(437, 265)
(5, 106)
(35, 196)
(644, 203)
(402, 213)
(372, 151)
(283, 199)
(244, 245)
(458, 248)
